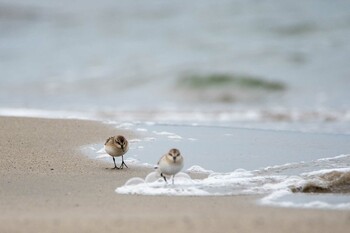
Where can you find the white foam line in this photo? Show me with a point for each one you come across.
(310, 205)
(24, 112)
(302, 163)
(162, 133)
(335, 158)
(272, 200)
(174, 136)
(325, 171)
(141, 130)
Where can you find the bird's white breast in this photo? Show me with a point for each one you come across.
(113, 150)
(169, 168)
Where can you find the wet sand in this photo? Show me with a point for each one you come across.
(47, 185)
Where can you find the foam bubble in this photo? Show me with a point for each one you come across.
(152, 177)
(134, 181)
(153, 184)
(198, 169)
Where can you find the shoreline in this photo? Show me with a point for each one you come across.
(48, 185)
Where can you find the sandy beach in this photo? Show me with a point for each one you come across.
(48, 185)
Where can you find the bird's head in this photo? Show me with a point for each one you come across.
(121, 142)
(174, 155)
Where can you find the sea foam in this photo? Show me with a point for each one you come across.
(278, 183)
(279, 190)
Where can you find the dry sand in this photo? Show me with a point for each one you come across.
(47, 185)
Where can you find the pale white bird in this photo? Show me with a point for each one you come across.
(170, 164)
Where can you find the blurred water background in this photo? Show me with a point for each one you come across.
(198, 69)
(250, 63)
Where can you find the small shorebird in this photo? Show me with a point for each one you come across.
(117, 146)
(170, 164)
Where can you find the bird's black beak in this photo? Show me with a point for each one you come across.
(174, 158)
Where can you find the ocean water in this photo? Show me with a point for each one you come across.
(288, 169)
(112, 56)
(185, 74)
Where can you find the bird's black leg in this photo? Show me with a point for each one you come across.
(161, 174)
(115, 165)
(123, 163)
